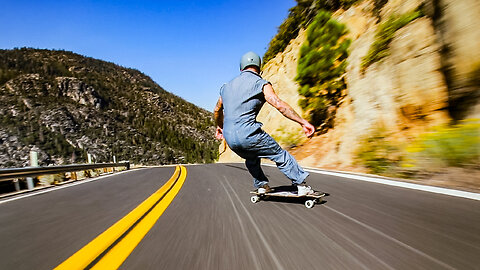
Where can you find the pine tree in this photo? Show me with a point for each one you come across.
(321, 66)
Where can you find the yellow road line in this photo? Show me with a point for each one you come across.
(97, 246)
(119, 253)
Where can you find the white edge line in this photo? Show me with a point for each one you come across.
(439, 190)
(61, 187)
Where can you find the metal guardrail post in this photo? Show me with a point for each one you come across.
(16, 183)
(33, 163)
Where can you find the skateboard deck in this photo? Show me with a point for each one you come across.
(288, 192)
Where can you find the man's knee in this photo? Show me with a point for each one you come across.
(284, 159)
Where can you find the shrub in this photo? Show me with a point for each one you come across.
(377, 153)
(384, 35)
(455, 145)
(321, 66)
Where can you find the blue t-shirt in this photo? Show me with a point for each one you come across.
(242, 100)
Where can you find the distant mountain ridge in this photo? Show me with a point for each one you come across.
(65, 105)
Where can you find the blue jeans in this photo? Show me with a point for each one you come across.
(261, 145)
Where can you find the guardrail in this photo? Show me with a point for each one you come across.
(14, 173)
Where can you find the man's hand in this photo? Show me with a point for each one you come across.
(308, 128)
(219, 133)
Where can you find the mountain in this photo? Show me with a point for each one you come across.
(65, 105)
(402, 101)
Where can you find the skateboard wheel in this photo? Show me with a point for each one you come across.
(309, 203)
(254, 199)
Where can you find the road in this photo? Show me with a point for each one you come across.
(211, 224)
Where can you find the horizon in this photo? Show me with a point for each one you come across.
(191, 60)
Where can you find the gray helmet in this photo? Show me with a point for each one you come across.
(250, 59)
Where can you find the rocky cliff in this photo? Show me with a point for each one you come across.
(429, 78)
(65, 105)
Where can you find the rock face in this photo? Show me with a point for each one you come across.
(456, 24)
(405, 93)
(78, 91)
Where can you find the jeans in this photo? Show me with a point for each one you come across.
(261, 145)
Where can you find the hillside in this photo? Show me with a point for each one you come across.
(403, 101)
(65, 105)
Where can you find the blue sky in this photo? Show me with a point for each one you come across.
(190, 48)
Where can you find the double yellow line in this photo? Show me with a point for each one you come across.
(138, 222)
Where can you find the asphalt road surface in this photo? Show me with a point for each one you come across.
(211, 224)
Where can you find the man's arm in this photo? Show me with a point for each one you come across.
(286, 110)
(218, 115)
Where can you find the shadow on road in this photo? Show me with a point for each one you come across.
(289, 200)
(293, 200)
(236, 167)
(242, 168)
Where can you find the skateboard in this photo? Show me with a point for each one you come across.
(287, 192)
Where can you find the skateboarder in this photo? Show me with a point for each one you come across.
(236, 111)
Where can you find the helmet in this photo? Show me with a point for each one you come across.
(250, 59)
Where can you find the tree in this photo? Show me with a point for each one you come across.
(321, 66)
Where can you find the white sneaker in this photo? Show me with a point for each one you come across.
(264, 189)
(305, 190)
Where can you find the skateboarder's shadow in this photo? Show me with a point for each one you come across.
(243, 169)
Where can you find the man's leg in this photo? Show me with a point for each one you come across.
(284, 160)
(253, 166)
(269, 148)
(289, 166)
